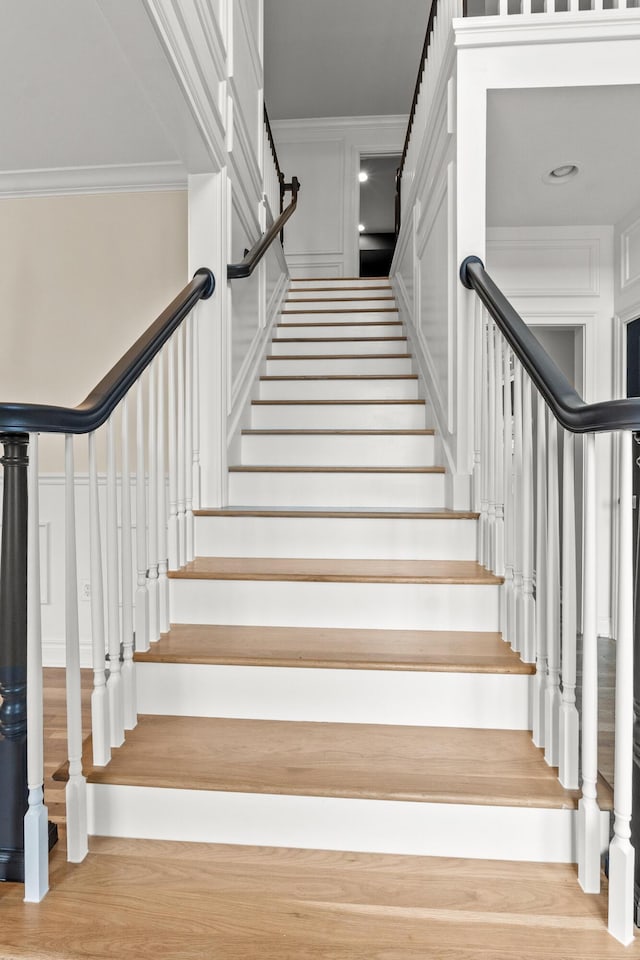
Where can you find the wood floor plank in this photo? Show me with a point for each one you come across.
(337, 571)
(427, 650)
(363, 761)
(154, 900)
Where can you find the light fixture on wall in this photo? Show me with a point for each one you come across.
(562, 173)
(363, 176)
(361, 227)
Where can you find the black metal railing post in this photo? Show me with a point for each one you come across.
(13, 656)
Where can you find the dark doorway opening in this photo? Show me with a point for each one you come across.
(377, 214)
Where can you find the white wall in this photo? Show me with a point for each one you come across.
(321, 240)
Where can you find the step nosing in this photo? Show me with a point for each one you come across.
(425, 432)
(322, 468)
(416, 513)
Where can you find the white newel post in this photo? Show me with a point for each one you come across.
(621, 853)
(209, 216)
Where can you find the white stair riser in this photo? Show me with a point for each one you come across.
(335, 823)
(324, 347)
(487, 701)
(347, 389)
(334, 416)
(281, 489)
(363, 293)
(338, 537)
(338, 330)
(400, 606)
(325, 316)
(368, 284)
(332, 302)
(338, 365)
(404, 450)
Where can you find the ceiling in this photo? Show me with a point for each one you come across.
(530, 132)
(341, 58)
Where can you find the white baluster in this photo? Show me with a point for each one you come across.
(552, 598)
(517, 614)
(152, 560)
(491, 466)
(498, 466)
(196, 473)
(621, 853)
(114, 683)
(182, 464)
(508, 605)
(477, 416)
(163, 583)
(173, 551)
(36, 822)
(483, 523)
(126, 546)
(528, 644)
(100, 729)
(588, 828)
(188, 437)
(142, 593)
(76, 789)
(540, 681)
(569, 719)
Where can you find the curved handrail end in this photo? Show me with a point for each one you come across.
(464, 279)
(205, 272)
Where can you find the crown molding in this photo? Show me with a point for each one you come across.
(68, 181)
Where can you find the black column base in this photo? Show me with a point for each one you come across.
(12, 861)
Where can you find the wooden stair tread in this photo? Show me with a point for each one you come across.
(344, 310)
(271, 468)
(336, 570)
(354, 323)
(331, 402)
(338, 299)
(399, 513)
(425, 650)
(341, 340)
(339, 356)
(364, 761)
(424, 432)
(342, 376)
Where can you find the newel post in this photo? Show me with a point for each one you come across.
(13, 657)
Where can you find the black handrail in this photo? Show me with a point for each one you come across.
(236, 271)
(414, 105)
(274, 154)
(96, 408)
(566, 404)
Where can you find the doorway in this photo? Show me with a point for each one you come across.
(377, 214)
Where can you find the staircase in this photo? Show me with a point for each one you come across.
(335, 677)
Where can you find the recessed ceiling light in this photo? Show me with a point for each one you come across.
(363, 176)
(361, 227)
(562, 173)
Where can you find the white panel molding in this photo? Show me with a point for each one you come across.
(70, 181)
(245, 207)
(253, 44)
(182, 38)
(528, 250)
(317, 265)
(241, 151)
(630, 255)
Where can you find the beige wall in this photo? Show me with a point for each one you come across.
(80, 278)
